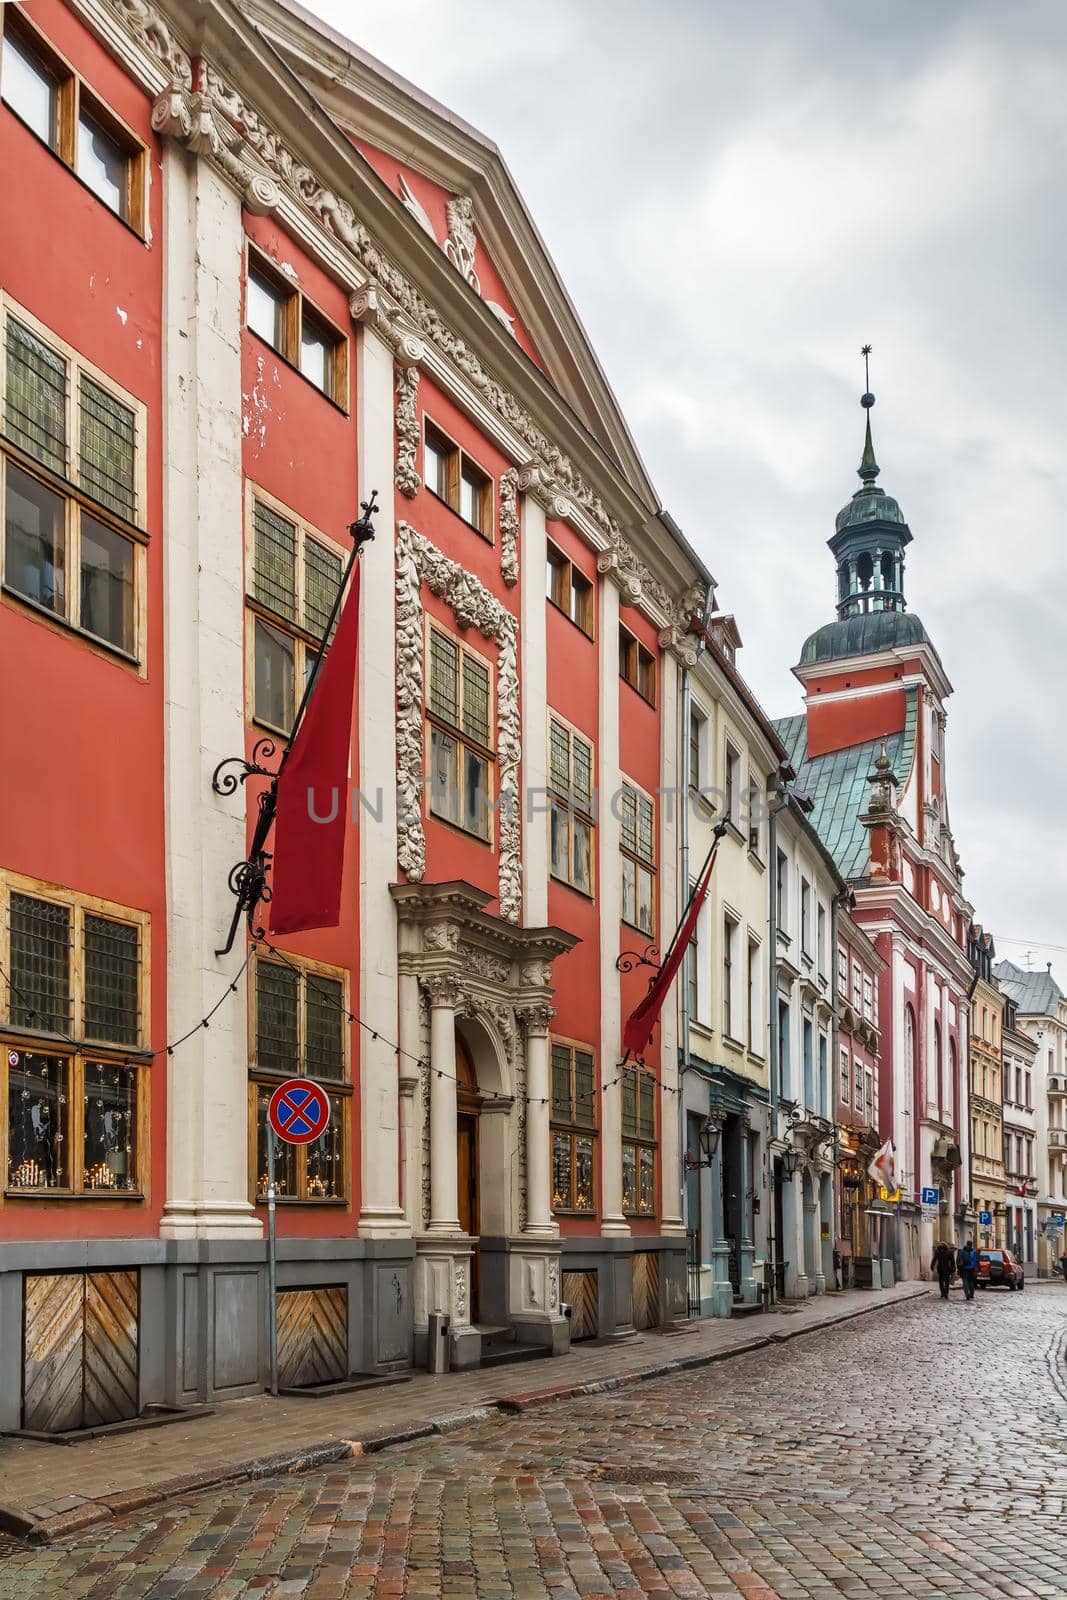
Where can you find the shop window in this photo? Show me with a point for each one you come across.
(73, 464)
(638, 860)
(460, 719)
(450, 474)
(300, 1030)
(638, 1143)
(574, 1122)
(570, 777)
(55, 104)
(282, 316)
(637, 666)
(569, 590)
(75, 1023)
(294, 576)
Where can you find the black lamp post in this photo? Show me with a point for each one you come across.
(709, 1136)
(791, 1159)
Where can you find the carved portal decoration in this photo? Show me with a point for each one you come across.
(407, 431)
(418, 562)
(235, 136)
(509, 527)
(462, 241)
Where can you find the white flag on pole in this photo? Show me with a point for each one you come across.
(883, 1166)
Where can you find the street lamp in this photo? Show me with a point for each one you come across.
(791, 1160)
(709, 1136)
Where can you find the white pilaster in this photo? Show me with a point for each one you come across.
(609, 891)
(671, 798)
(534, 614)
(409, 1040)
(539, 1219)
(207, 1079)
(444, 1177)
(381, 1214)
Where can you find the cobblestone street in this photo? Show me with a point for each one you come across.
(916, 1452)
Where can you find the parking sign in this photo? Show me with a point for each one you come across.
(985, 1218)
(931, 1197)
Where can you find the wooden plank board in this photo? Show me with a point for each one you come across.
(110, 1345)
(312, 1336)
(646, 1289)
(53, 1352)
(580, 1293)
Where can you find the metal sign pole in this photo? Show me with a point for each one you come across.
(272, 1267)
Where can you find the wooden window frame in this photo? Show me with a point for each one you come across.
(641, 864)
(77, 500)
(569, 1127)
(698, 721)
(730, 929)
(754, 996)
(641, 1140)
(805, 917)
(297, 308)
(266, 1079)
(75, 1050)
(637, 665)
(457, 462)
(563, 805)
(731, 783)
(305, 641)
(73, 96)
(464, 740)
(844, 1067)
(559, 564)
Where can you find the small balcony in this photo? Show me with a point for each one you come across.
(1057, 1138)
(1057, 1086)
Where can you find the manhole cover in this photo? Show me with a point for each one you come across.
(607, 1473)
(9, 1546)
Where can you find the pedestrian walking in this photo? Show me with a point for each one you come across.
(967, 1267)
(943, 1262)
(1063, 1265)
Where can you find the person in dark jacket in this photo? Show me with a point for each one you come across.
(943, 1262)
(967, 1267)
(1063, 1264)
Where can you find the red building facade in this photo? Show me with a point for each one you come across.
(199, 390)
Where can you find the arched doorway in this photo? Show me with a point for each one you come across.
(468, 1157)
(811, 1259)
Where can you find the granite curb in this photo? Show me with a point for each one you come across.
(38, 1531)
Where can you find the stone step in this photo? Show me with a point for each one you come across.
(504, 1354)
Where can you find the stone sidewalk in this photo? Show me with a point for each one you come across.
(49, 1490)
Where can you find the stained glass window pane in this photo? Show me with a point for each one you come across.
(38, 1115)
(645, 845)
(35, 413)
(325, 1157)
(110, 1113)
(112, 961)
(284, 1155)
(559, 759)
(584, 1099)
(629, 1103)
(444, 678)
(277, 1030)
(562, 1190)
(629, 818)
(35, 541)
(322, 576)
(583, 1175)
(583, 773)
(274, 562)
(108, 439)
(40, 964)
(561, 1083)
(325, 1025)
(107, 584)
(476, 700)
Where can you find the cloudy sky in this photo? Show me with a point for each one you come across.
(739, 196)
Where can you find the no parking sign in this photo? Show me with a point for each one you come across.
(298, 1112)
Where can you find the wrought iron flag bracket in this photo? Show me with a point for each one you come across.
(630, 960)
(248, 879)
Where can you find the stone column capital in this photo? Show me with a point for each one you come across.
(443, 990)
(536, 1017)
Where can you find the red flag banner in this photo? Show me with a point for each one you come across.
(309, 854)
(641, 1021)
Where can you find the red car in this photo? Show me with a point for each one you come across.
(999, 1267)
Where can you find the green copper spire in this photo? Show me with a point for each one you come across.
(868, 467)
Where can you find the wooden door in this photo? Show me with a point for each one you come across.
(580, 1293)
(80, 1359)
(467, 1183)
(646, 1289)
(312, 1336)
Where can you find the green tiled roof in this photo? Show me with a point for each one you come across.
(1036, 994)
(863, 635)
(837, 782)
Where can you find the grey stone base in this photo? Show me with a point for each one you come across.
(611, 1258)
(202, 1324)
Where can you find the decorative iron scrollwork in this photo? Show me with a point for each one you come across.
(630, 960)
(226, 782)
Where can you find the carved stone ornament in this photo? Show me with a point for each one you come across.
(537, 973)
(537, 1018)
(407, 431)
(553, 1283)
(483, 964)
(462, 241)
(509, 527)
(417, 562)
(441, 989)
(190, 119)
(247, 131)
(440, 936)
(537, 482)
(461, 1292)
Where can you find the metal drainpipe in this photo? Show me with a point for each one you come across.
(835, 1046)
(772, 1008)
(684, 868)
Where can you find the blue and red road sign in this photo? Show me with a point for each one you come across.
(299, 1111)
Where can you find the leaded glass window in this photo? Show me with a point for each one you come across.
(459, 694)
(108, 449)
(326, 1020)
(638, 859)
(274, 562)
(570, 776)
(36, 397)
(111, 980)
(40, 933)
(322, 577)
(277, 1018)
(295, 577)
